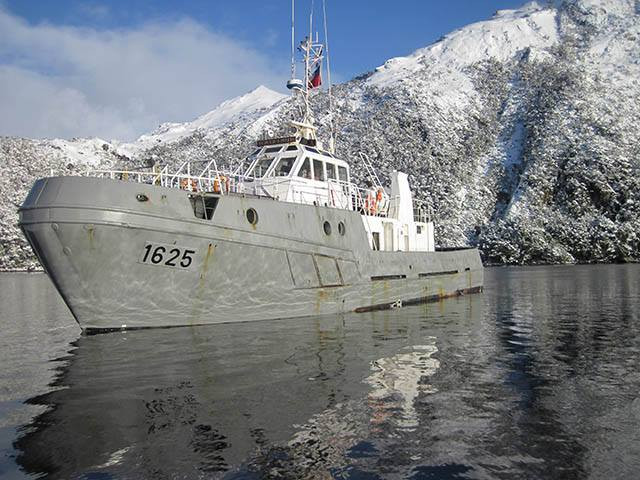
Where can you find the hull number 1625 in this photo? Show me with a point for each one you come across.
(167, 255)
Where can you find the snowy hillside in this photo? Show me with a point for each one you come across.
(245, 109)
(23, 161)
(520, 131)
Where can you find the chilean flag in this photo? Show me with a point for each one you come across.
(315, 80)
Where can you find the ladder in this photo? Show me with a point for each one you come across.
(373, 176)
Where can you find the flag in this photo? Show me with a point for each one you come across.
(315, 80)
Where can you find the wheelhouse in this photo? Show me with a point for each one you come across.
(300, 173)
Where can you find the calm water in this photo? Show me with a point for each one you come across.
(539, 377)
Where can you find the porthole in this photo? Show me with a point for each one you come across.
(141, 197)
(327, 227)
(252, 216)
(341, 228)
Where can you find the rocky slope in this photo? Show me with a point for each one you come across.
(520, 131)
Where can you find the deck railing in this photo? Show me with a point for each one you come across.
(335, 193)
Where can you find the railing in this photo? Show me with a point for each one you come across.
(336, 193)
(209, 180)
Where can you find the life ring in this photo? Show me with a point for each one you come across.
(189, 184)
(219, 182)
(381, 200)
(370, 203)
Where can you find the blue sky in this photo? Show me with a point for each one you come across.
(125, 66)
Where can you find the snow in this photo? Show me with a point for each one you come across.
(259, 99)
(520, 132)
(501, 38)
(84, 151)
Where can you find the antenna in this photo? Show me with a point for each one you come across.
(293, 40)
(332, 137)
(294, 84)
(306, 57)
(312, 52)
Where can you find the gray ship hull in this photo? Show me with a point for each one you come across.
(131, 255)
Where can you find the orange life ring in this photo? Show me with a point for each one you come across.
(189, 184)
(370, 203)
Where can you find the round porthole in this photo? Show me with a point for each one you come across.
(327, 227)
(341, 228)
(252, 216)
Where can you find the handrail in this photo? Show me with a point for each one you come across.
(336, 193)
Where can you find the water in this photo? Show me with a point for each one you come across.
(538, 377)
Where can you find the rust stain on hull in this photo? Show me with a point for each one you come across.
(322, 295)
(205, 263)
(91, 235)
(198, 300)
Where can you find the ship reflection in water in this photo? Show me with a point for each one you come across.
(537, 377)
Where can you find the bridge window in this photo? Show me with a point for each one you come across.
(248, 161)
(305, 169)
(331, 171)
(342, 174)
(318, 170)
(283, 166)
(261, 167)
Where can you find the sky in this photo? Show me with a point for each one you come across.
(117, 69)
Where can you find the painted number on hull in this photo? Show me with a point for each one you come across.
(167, 255)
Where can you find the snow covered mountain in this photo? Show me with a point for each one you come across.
(245, 109)
(520, 131)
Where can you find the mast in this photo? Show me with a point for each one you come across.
(306, 63)
(293, 40)
(332, 139)
(294, 84)
(312, 52)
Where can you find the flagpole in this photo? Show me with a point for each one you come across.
(307, 116)
(332, 139)
(293, 40)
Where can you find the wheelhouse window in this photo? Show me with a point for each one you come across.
(318, 170)
(248, 161)
(283, 167)
(305, 169)
(331, 171)
(272, 149)
(342, 174)
(261, 167)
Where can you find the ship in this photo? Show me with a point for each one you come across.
(286, 234)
